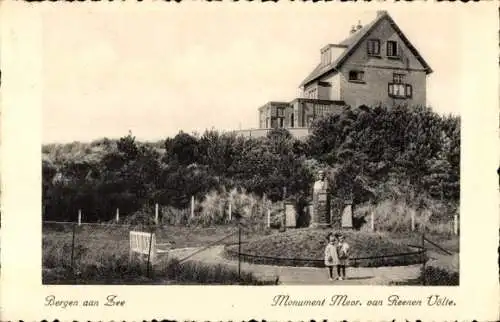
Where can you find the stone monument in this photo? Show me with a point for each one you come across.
(347, 215)
(320, 216)
(290, 215)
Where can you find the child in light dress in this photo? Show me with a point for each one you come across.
(331, 257)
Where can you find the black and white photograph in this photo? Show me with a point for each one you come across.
(190, 158)
(200, 161)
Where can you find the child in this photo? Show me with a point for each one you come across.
(343, 257)
(331, 258)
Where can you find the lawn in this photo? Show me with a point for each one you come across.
(101, 252)
(101, 256)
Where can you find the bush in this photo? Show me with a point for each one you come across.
(440, 276)
(174, 216)
(443, 271)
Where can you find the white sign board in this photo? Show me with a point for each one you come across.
(143, 243)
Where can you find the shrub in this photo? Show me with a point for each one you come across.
(174, 216)
(440, 276)
(443, 271)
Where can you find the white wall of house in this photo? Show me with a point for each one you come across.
(333, 92)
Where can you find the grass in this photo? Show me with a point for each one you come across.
(101, 257)
(305, 247)
(118, 270)
(395, 216)
(101, 252)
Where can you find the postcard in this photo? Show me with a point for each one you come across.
(210, 160)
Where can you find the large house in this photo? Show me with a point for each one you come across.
(375, 65)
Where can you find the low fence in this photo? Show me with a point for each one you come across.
(72, 247)
(308, 262)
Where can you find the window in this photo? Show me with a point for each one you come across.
(373, 47)
(356, 76)
(321, 110)
(398, 90)
(392, 49)
(408, 91)
(398, 78)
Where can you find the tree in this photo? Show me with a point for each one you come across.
(183, 148)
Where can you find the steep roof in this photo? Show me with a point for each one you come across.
(352, 43)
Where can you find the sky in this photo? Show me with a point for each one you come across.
(196, 67)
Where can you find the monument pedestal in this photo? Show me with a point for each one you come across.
(320, 216)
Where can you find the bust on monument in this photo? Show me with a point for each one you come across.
(321, 184)
(321, 209)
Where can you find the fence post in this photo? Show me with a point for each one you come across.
(73, 250)
(283, 215)
(372, 217)
(412, 220)
(424, 253)
(117, 215)
(192, 206)
(151, 237)
(156, 214)
(79, 217)
(268, 219)
(455, 224)
(239, 251)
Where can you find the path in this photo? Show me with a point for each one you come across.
(289, 275)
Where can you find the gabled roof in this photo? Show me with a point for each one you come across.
(353, 42)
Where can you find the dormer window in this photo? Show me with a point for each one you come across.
(392, 49)
(326, 57)
(373, 47)
(356, 76)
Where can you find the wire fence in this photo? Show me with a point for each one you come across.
(76, 245)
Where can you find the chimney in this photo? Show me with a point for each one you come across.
(381, 13)
(359, 26)
(353, 29)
